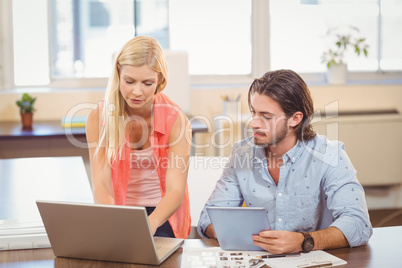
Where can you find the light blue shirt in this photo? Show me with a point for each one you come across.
(317, 188)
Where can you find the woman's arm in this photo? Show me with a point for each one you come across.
(101, 171)
(176, 174)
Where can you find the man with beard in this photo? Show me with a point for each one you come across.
(306, 182)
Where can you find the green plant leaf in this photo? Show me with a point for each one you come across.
(26, 97)
(343, 43)
(26, 103)
(357, 50)
(365, 52)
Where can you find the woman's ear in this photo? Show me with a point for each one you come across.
(295, 119)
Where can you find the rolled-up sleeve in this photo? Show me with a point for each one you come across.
(346, 200)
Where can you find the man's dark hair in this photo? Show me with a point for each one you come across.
(288, 89)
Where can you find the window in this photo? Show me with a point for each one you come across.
(391, 35)
(31, 49)
(299, 30)
(216, 35)
(230, 40)
(85, 35)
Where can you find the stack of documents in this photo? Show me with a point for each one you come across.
(216, 257)
(15, 234)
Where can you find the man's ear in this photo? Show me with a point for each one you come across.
(295, 119)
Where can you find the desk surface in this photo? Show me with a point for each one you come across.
(25, 180)
(383, 250)
(54, 128)
(40, 129)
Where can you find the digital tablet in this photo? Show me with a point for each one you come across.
(234, 226)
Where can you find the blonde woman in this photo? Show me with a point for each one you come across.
(139, 141)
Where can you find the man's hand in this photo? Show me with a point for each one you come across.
(279, 242)
(210, 232)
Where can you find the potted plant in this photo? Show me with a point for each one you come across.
(26, 104)
(334, 58)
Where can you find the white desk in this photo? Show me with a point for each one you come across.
(25, 180)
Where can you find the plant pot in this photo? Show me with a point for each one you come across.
(26, 120)
(337, 74)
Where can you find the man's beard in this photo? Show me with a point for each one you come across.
(277, 138)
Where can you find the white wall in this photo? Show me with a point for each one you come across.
(178, 84)
(50, 104)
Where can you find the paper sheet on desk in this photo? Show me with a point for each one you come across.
(16, 234)
(216, 257)
(311, 259)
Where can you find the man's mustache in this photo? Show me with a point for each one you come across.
(259, 132)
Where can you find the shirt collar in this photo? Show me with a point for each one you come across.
(293, 153)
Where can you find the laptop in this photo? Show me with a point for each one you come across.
(104, 232)
(234, 226)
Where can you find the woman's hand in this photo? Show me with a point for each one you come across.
(153, 224)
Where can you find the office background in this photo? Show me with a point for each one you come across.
(372, 93)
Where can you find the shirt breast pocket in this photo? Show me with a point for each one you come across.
(302, 212)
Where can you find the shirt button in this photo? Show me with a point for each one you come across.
(293, 159)
(280, 194)
(279, 219)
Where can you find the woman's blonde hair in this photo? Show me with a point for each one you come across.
(139, 51)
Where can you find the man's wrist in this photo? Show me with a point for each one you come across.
(308, 242)
(300, 242)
